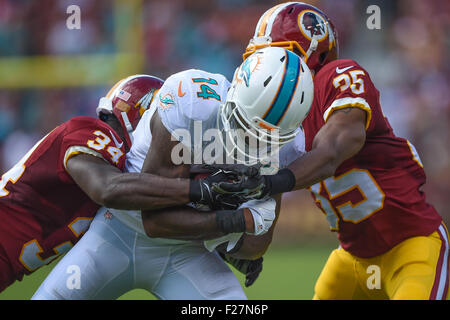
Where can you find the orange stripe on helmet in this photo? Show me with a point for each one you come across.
(110, 92)
(265, 19)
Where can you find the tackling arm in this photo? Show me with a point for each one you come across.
(339, 139)
(110, 187)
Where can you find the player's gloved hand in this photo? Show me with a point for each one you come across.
(258, 186)
(251, 268)
(263, 213)
(207, 193)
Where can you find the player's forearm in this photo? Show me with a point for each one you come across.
(184, 223)
(307, 170)
(137, 191)
(340, 139)
(253, 247)
(180, 223)
(110, 187)
(314, 167)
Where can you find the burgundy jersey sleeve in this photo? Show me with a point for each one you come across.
(346, 84)
(94, 137)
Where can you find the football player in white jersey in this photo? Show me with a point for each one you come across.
(171, 252)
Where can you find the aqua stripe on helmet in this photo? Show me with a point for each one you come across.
(286, 91)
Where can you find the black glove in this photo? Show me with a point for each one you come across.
(207, 191)
(258, 186)
(251, 268)
(234, 171)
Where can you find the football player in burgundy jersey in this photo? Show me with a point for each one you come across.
(364, 178)
(48, 199)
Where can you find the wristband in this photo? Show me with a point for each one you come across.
(230, 221)
(283, 181)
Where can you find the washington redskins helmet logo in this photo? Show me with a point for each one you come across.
(311, 24)
(298, 27)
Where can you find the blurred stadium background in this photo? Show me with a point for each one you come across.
(49, 74)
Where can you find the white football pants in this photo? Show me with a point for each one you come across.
(112, 259)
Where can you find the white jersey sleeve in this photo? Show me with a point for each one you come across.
(188, 103)
(292, 150)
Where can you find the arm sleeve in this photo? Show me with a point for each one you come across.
(349, 102)
(169, 107)
(347, 85)
(74, 150)
(95, 139)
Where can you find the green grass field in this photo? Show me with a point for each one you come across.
(289, 273)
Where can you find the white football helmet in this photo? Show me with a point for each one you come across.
(270, 95)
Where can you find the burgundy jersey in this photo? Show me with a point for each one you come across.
(374, 200)
(43, 212)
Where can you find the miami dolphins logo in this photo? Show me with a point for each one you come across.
(247, 68)
(166, 101)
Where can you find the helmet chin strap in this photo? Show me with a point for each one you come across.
(312, 46)
(128, 125)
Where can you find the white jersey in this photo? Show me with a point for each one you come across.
(292, 150)
(186, 98)
(191, 98)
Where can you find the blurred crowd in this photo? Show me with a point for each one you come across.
(407, 60)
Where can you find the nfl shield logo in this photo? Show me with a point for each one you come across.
(108, 215)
